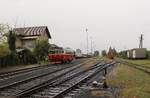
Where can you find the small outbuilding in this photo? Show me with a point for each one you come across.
(137, 53)
(27, 36)
(129, 54)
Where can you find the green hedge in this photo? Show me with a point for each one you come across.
(9, 60)
(27, 57)
(22, 58)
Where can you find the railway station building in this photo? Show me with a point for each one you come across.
(27, 36)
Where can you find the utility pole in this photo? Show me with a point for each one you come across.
(141, 41)
(91, 45)
(87, 40)
(16, 21)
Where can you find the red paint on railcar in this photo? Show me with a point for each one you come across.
(59, 55)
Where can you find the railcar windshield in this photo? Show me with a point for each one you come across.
(56, 51)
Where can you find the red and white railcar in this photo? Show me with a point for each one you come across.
(59, 54)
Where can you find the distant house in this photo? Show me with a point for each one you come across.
(137, 53)
(27, 36)
(129, 54)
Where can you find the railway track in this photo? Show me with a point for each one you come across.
(5, 75)
(139, 67)
(59, 89)
(8, 74)
(11, 90)
(22, 77)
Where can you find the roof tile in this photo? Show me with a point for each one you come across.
(32, 31)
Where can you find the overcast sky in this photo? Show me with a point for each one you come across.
(116, 23)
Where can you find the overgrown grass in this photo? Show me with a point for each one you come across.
(104, 58)
(134, 83)
(47, 61)
(144, 62)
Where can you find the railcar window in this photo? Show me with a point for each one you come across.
(51, 52)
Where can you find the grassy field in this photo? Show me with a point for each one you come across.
(104, 58)
(145, 62)
(134, 83)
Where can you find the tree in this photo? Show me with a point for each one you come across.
(4, 29)
(12, 58)
(96, 53)
(104, 53)
(122, 54)
(8, 55)
(41, 49)
(4, 50)
(4, 47)
(110, 51)
(27, 57)
(148, 54)
(12, 41)
(114, 51)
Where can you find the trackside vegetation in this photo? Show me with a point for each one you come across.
(132, 82)
(41, 49)
(141, 62)
(9, 56)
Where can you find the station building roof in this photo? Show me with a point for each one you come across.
(32, 31)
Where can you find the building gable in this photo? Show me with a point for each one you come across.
(32, 31)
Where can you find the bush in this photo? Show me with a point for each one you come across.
(103, 53)
(41, 49)
(12, 41)
(9, 60)
(122, 54)
(148, 54)
(4, 50)
(27, 57)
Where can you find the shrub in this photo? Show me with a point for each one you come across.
(122, 54)
(41, 49)
(27, 57)
(148, 54)
(4, 50)
(103, 53)
(9, 60)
